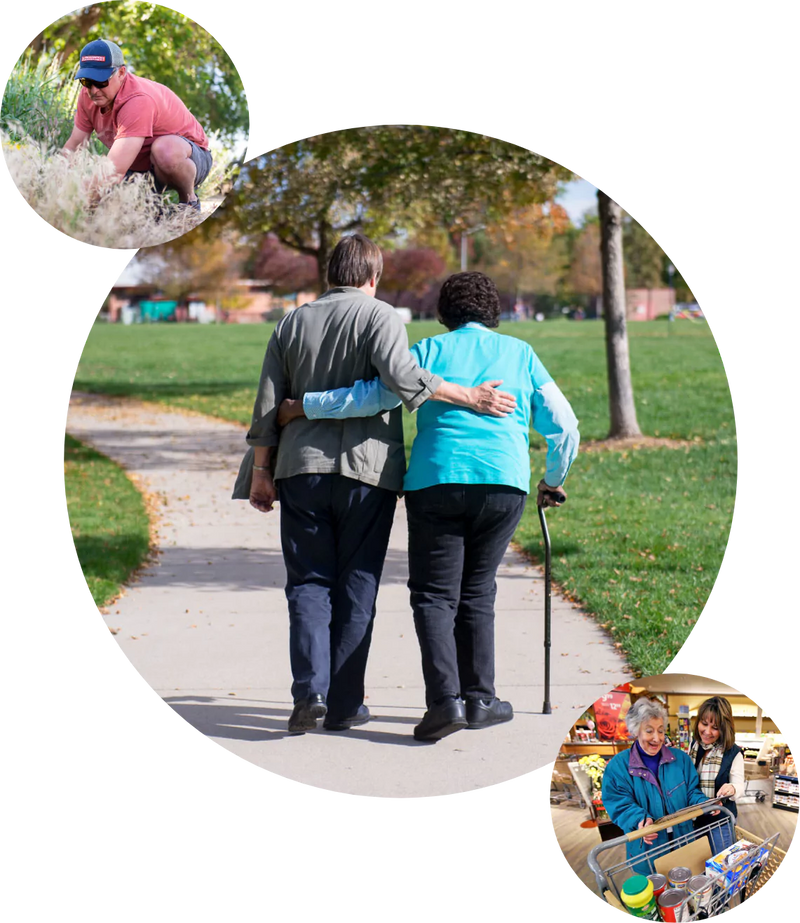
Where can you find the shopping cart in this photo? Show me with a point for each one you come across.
(727, 889)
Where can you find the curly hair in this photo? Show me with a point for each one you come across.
(469, 296)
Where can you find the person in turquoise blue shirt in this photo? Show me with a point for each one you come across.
(465, 491)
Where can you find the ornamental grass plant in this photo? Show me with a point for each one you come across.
(128, 215)
(39, 102)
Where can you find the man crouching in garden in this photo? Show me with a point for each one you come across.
(144, 125)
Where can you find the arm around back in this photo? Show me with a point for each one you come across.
(393, 361)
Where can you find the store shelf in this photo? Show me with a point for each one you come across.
(785, 792)
(785, 807)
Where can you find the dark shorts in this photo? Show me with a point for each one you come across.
(201, 159)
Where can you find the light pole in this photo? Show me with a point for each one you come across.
(464, 235)
(673, 307)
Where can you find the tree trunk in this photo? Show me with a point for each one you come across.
(620, 389)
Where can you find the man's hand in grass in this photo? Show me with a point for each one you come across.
(550, 496)
(263, 492)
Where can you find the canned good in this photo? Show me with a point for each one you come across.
(659, 883)
(679, 876)
(673, 905)
(701, 888)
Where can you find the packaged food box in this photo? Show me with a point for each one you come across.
(735, 864)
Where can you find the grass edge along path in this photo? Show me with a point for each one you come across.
(636, 550)
(641, 539)
(109, 520)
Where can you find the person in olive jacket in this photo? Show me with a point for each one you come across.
(649, 781)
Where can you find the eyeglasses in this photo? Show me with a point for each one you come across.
(100, 84)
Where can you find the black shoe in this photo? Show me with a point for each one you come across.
(442, 719)
(482, 713)
(344, 724)
(305, 714)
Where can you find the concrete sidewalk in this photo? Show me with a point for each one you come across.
(206, 626)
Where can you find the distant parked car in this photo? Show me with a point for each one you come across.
(687, 310)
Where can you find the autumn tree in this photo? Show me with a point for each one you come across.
(527, 254)
(386, 181)
(411, 271)
(585, 274)
(194, 265)
(457, 180)
(283, 269)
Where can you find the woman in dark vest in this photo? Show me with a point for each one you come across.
(719, 763)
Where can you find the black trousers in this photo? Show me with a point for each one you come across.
(334, 535)
(457, 536)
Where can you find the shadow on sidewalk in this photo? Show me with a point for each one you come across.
(266, 722)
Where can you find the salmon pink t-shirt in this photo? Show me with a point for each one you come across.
(141, 109)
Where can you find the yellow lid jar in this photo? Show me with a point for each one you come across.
(637, 896)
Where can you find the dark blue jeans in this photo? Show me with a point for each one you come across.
(457, 536)
(334, 535)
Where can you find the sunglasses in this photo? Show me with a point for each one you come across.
(100, 84)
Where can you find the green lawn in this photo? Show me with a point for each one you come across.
(641, 538)
(107, 515)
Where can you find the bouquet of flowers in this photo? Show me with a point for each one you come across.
(594, 767)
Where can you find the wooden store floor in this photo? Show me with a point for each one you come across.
(575, 841)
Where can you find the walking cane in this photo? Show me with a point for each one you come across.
(561, 498)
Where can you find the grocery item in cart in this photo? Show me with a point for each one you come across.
(701, 889)
(734, 864)
(637, 896)
(673, 905)
(679, 876)
(659, 883)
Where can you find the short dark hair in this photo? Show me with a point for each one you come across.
(469, 296)
(354, 261)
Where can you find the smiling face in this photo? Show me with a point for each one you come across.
(652, 735)
(707, 729)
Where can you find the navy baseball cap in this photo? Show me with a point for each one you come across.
(99, 60)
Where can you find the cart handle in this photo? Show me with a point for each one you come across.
(672, 820)
(677, 818)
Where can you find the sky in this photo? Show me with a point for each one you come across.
(577, 197)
